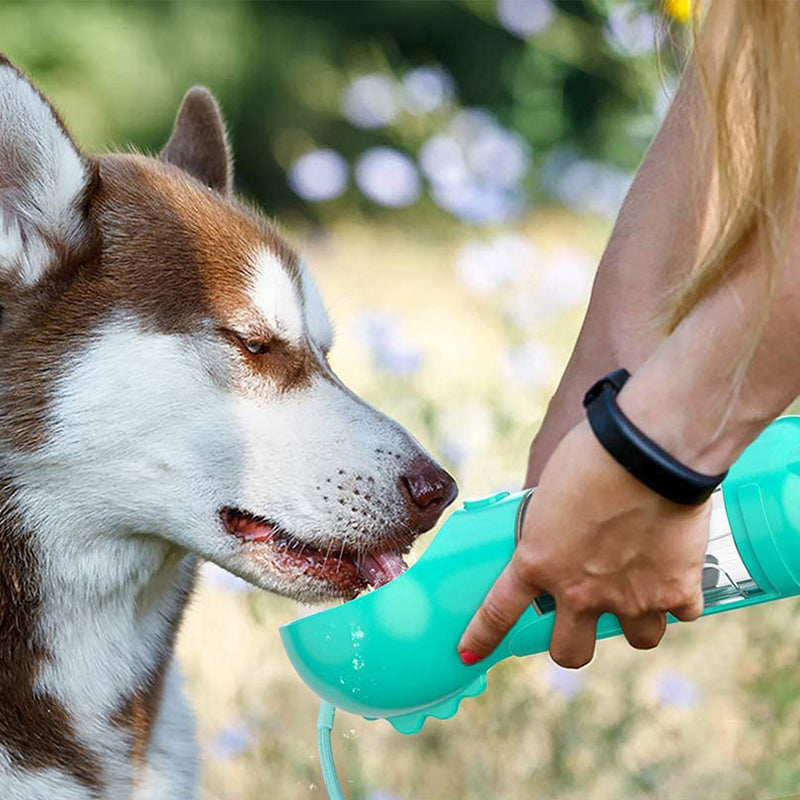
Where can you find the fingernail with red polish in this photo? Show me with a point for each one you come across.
(468, 658)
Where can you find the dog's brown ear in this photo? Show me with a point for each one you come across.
(199, 142)
(45, 183)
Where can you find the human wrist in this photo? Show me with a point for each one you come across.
(696, 424)
(609, 486)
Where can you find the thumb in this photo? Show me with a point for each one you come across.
(501, 608)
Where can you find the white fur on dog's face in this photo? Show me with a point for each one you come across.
(153, 435)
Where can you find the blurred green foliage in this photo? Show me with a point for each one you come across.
(118, 70)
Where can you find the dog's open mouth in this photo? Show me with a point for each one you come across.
(336, 565)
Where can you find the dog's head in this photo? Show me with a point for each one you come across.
(164, 373)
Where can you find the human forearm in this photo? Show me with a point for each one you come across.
(730, 368)
(654, 242)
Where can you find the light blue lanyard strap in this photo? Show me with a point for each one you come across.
(324, 726)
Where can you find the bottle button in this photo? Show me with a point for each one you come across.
(484, 502)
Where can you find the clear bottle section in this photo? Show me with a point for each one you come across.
(725, 577)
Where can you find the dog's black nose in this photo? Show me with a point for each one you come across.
(427, 490)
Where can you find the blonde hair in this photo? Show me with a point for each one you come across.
(747, 55)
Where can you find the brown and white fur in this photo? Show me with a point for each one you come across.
(165, 397)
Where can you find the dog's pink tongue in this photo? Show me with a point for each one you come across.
(381, 568)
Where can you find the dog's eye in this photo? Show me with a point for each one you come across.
(254, 346)
(257, 347)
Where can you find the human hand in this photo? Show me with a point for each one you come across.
(598, 540)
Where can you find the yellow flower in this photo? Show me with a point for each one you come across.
(679, 10)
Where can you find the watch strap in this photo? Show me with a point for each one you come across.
(636, 452)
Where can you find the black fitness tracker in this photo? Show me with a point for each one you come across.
(638, 454)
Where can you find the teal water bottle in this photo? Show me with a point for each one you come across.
(391, 653)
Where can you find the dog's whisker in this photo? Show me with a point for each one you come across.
(328, 552)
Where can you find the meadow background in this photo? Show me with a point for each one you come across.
(451, 170)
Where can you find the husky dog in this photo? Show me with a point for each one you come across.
(165, 396)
